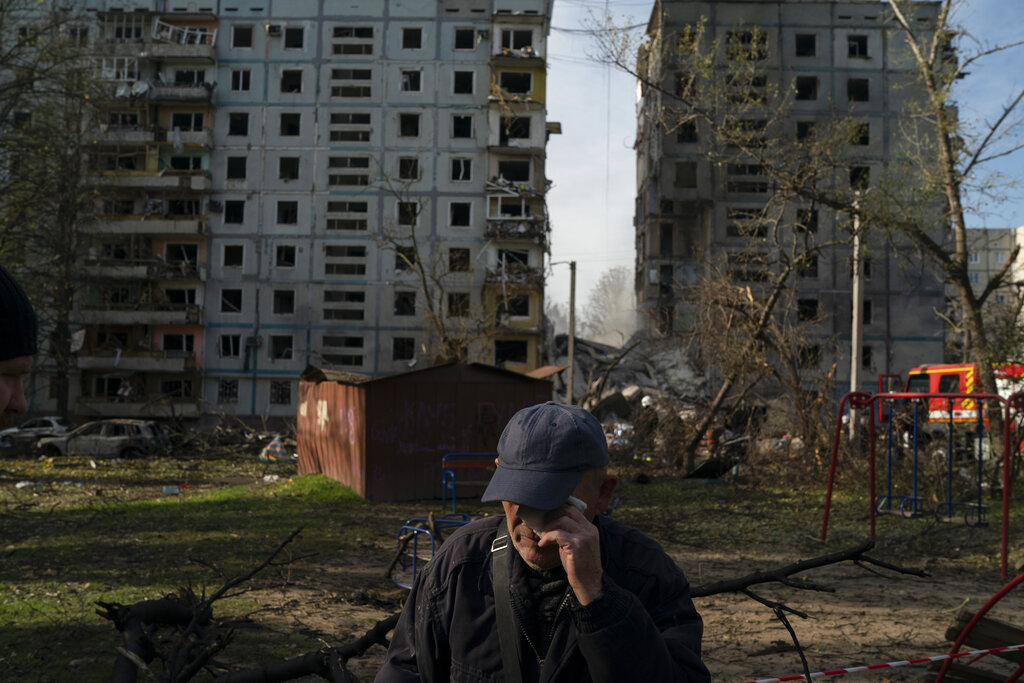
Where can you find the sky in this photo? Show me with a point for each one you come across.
(592, 164)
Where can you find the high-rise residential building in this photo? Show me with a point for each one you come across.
(357, 185)
(822, 58)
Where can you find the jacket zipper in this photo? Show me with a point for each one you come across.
(551, 633)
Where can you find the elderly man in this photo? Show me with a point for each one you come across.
(17, 344)
(551, 591)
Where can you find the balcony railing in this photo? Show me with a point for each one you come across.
(143, 361)
(532, 229)
(516, 274)
(147, 225)
(141, 314)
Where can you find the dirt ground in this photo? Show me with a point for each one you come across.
(869, 619)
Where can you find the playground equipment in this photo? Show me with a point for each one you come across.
(913, 505)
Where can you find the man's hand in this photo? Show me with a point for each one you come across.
(579, 548)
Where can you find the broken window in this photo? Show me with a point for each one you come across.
(857, 46)
(804, 129)
(407, 212)
(809, 266)
(284, 256)
(665, 241)
(861, 134)
(291, 80)
(284, 301)
(233, 255)
(458, 260)
(408, 168)
(186, 163)
(857, 90)
(187, 121)
(860, 177)
(230, 301)
(465, 39)
(514, 128)
(806, 309)
(287, 212)
(288, 168)
(513, 257)
(238, 123)
(806, 87)
(411, 81)
(462, 170)
(236, 168)
(281, 346)
(291, 124)
(516, 171)
(516, 39)
(687, 132)
(460, 214)
(806, 45)
(294, 38)
(462, 126)
(746, 45)
(230, 345)
(405, 258)
(403, 348)
(458, 304)
(516, 82)
(405, 303)
(517, 306)
(234, 211)
(408, 125)
(181, 253)
(241, 36)
(462, 83)
(179, 342)
(412, 38)
(865, 316)
(510, 351)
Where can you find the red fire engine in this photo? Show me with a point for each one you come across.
(961, 378)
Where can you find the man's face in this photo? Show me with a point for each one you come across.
(594, 489)
(12, 389)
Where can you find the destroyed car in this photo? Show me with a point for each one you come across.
(33, 429)
(115, 438)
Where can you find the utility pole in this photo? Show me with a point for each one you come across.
(572, 327)
(855, 327)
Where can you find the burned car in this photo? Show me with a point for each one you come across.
(114, 438)
(32, 429)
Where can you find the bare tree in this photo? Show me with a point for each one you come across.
(609, 315)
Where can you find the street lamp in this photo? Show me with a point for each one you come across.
(572, 325)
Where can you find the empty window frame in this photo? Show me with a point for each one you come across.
(290, 124)
(352, 83)
(463, 82)
(403, 348)
(294, 38)
(408, 168)
(412, 38)
(281, 346)
(238, 123)
(741, 222)
(510, 351)
(806, 310)
(408, 213)
(465, 39)
(227, 391)
(458, 260)
(405, 303)
(230, 345)
(187, 121)
(686, 174)
(344, 259)
(408, 125)
(234, 211)
(288, 168)
(230, 301)
(861, 134)
(806, 220)
(458, 304)
(287, 212)
(857, 46)
(462, 126)
(860, 178)
(241, 36)
(513, 128)
(460, 214)
(806, 87)
(234, 255)
(516, 82)
(516, 38)
(291, 81)
(284, 256)
(517, 306)
(405, 258)
(746, 45)
(805, 45)
(858, 90)
(284, 301)
(515, 170)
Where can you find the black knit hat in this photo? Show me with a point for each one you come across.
(17, 320)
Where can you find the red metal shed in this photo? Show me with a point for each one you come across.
(385, 436)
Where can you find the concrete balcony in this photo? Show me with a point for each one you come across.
(123, 48)
(141, 225)
(143, 269)
(516, 147)
(514, 229)
(190, 53)
(193, 181)
(92, 407)
(142, 314)
(135, 135)
(173, 92)
(142, 361)
(190, 137)
(114, 270)
(515, 274)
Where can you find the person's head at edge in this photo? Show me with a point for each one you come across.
(17, 344)
(546, 453)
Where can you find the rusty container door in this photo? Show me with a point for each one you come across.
(331, 432)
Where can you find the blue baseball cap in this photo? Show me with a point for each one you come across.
(543, 453)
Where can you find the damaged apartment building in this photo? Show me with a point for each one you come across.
(286, 183)
(828, 57)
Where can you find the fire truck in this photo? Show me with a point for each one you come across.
(960, 378)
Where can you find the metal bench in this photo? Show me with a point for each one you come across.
(465, 462)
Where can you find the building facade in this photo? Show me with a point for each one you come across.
(819, 58)
(356, 185)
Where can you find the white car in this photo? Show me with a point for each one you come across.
(29, 430)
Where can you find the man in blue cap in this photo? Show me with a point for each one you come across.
(17, 344)
(551, 591)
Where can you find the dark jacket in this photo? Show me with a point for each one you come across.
(643, 627)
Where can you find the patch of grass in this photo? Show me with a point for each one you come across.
(321, 489)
